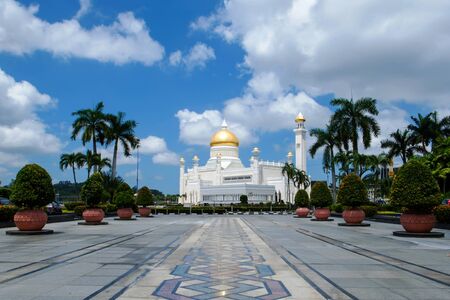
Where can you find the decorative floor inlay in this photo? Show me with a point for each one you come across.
(223, 264)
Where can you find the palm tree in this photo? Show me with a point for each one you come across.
(121, 130)
(300, 179)
(72, 160)
(423, 130)
(110, 183)
(93, 124)
(441, 128)
(288, 170)
(401, 144)
(355, 117)
(99, 163)
(328, 139)
(345, 160)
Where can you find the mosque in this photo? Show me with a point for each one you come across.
(223, 179)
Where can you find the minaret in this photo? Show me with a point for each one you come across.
(218, 177)
(255, 165)
(300, 143)
(289, 157)
(182, 199)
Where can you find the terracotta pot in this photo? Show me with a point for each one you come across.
(302, 212)
(125, 213)
(416, 223)
(30, 220)
(93, 215)
(353, 215)
(144, 211)
(322, 214)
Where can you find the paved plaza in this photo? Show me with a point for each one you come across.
(223, 257)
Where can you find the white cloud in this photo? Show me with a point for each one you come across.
(126, 40)
(197, 57)
(21, 130)
(166, 158)
(85, 7)
(152, 145)
(388, 50)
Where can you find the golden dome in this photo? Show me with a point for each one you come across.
(299, 118)
(224, 137)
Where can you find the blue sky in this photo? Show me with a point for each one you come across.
(179, 67)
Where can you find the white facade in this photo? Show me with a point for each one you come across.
(223, 179)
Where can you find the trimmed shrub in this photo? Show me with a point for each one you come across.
(5, 192)
(72, 205)
(442, 213)
(7, 212)
(321, 195)
(302, 198)
(415, 189)
(370, 210)
(124, 199)
(352, 191)
(337, 207)
(243, 199)
(123, 187)
(144, 197)
(107, 207)
(92, 190)
(78, 210)
(32, 188)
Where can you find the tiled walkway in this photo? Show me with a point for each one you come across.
(223, 260)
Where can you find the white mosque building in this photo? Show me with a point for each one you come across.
(223, 179)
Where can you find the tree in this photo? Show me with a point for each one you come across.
(72, 160)
(111, 184)
(95, 161)
(355, 117)
(300, 179)
(243, 199)
(320, 195)
(92, 190)
(352, 191)
(288, 170)
(120, 131)
(144, 197)
(301, 199)
(401, 144)
(93, 124)
(327, 139)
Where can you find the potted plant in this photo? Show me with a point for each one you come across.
(144, 198)
(352, 194)
(302, 203)
(124, 202)
(415, 189)
(321, 198)
(31, 191)
(92, 194)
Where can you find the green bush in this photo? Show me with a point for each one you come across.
(92, 190)
(321, 195)
(5, 192)
(78, 210)
(32, 188)
(124, 199)
(442, 213)
(72, 205)
(107, 207)
(243, 199)
(352, 191)
(7, 212)
(144, 197)
(415, 189)
(123, 187)
(369, 210)
(302, 198)
(337, 207)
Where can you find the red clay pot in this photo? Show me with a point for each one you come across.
(144, 211)
(125, 213)
(353, 215)
(416, 223)
(322, 214)
(302, 212)
(30, 220)
(93, 215)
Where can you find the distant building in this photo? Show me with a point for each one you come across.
(223, 179)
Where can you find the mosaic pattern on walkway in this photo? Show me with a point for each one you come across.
(223, 264)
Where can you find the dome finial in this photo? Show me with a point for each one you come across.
(224, 124)
(299, 118)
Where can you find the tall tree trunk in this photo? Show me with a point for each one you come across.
(75, 180)
(355, 148)
(114, 162)
(333, 176)
(94, 148)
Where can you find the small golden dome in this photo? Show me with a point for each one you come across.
(299, 118)
(224, 137)
(290, 154)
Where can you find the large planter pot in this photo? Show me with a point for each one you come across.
(144, 211)
(30, 220)
(353, 216)
(125, 213)
(93, 215)
(322, 214)
(302, 212)
(416, 223)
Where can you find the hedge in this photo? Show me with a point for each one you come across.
(7, 213)
(72, 205)
(369, 210)
(442, 213)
